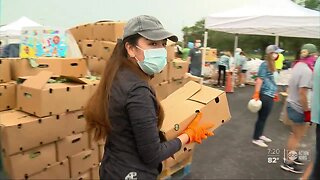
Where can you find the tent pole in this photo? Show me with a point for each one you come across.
(205, 41)
(277, 40)
(236, 40)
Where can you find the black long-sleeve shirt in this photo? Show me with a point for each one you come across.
(134, 148)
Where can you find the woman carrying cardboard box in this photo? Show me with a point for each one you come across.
(125, 110)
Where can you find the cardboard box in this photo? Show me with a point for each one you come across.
(177, 69)
(180, 108)
(84, 176)
(59, 170)
(76, 67)
(90, 48)
(183, 154)
(8, 95)
(71, 145)
(162, 90)
(93, 143)
(161, 77)
(21, 132)
(106, 49)
(96, 66)
(95, 173)
(210, 54)
(83, 161)
(177, 84)
(33, 161)
(40, 98)
(5, 71)
(171, 50)
(76, 122)
(82, 32)
(108, 31)
(101, 152)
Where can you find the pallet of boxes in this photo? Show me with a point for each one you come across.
(42, 127)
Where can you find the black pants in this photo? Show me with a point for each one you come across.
(316, 168)
(220, 70)
(267, 103)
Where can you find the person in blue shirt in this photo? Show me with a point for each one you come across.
(266, 91)
(315, 117)
(223, 66)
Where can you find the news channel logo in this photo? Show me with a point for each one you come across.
(301, 155)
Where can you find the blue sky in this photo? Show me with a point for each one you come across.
(174, 14)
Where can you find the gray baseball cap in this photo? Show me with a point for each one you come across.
(273, 48)
(148, 27)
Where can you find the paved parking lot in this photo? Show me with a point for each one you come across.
(230, 153)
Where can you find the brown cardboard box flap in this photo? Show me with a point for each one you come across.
(75, 79)
(11, 118)
(188, 90)
(206, 95)
(38, 81)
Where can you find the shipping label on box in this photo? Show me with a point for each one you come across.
(83, 161)
(8, 95)
(96, 66)
(177, 69)
(59, 170)
(5, 70)
(76, 67)
(108, 31)
(71, 145)
(21, 131)
(40, 98)
(82, 32)
(33, 161)
(180, 108)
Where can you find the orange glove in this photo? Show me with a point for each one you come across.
(197, 132)
(256, 96)
(276, 98)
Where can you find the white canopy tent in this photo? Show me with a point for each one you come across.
(272, 17)
(13, 30)
(266, 17)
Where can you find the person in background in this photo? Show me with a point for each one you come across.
(223, 66)
(298, 107)
(125, 110)
(186, 50)
(279, 62)
(242, 67)
(195, 59)
(266, 91)
(237, 58)
(315, 118)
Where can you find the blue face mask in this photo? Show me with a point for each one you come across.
(154, 60)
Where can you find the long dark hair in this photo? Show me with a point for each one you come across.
(97, 109)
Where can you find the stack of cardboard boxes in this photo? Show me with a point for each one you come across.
(7, 87)
(97, 41)
(43, 135)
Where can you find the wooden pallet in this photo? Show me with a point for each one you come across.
(178, 171)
